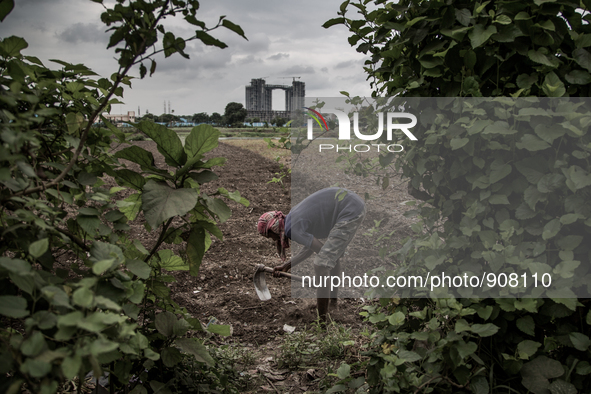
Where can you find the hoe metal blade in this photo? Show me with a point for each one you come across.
(260, 284)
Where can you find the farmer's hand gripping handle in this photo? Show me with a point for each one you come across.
(280, 273)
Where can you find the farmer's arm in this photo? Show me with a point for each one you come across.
(301, 256)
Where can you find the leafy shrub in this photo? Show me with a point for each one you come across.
(512, 198)
(108, 307)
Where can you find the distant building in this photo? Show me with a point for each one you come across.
(259, 99)
(113, 118)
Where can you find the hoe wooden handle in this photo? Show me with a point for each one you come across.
(281, 273)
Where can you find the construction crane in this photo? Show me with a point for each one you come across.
(294, 78)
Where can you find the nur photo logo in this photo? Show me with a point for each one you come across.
(344, 126)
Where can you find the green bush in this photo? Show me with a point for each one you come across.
(509, 196)
(108, 307)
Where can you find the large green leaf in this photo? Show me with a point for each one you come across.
(553, 86)
(11, 46)
(139, 268)
(12, 306)
(549, 132)
(484, 330)
(83, 297)
(101, 251)
(507, 33)
(499, 171)
(180, 327)
(130, 206)
(71, 366)
(234, 27)
(580, 341)
(33, 345)
(160, 202)
(527, 348)
(88, 223)
(196, 249)
(532, 143)
(457, 143)
(171, 356)
(209, 40)
(38, 248)
(580, 178)
(525, 81)
(526, 324)
(35, 368)
(130, 178)
(5, 7)
(202, 139)
(540, 57)
(464, 16)
(15, 266)
(195, 348)
(466, 349)
(218, 207)
(551, 229)
(167, 141)
(332, 22)
(578, 77)
(56, 296)
(559, 386)
(102, 345)
(535, 374)
(137, 155)
(582, 57)
(171, 262)
(479, 35)
(164, 323)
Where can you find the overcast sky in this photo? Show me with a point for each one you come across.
(285, 39)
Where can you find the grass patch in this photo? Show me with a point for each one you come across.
(261, 147)
(249, 132)
(315, 345)
(322, 351)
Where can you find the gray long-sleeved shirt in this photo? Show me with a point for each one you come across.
(318, 213)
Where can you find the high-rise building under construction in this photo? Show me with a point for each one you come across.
(259, 99)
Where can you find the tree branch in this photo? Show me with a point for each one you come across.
(121, 73)
(74, 239)
(159, 241)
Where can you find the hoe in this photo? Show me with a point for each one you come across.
(260, 284)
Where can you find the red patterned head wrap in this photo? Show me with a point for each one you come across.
(274, 221)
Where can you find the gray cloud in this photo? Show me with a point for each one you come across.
(346, 64)
(285, 35)
(278, 56)
(248, 59)
(84, 32)
(298, 70)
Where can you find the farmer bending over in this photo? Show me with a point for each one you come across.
(333, 213)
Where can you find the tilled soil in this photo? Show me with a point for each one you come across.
(224, 289)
